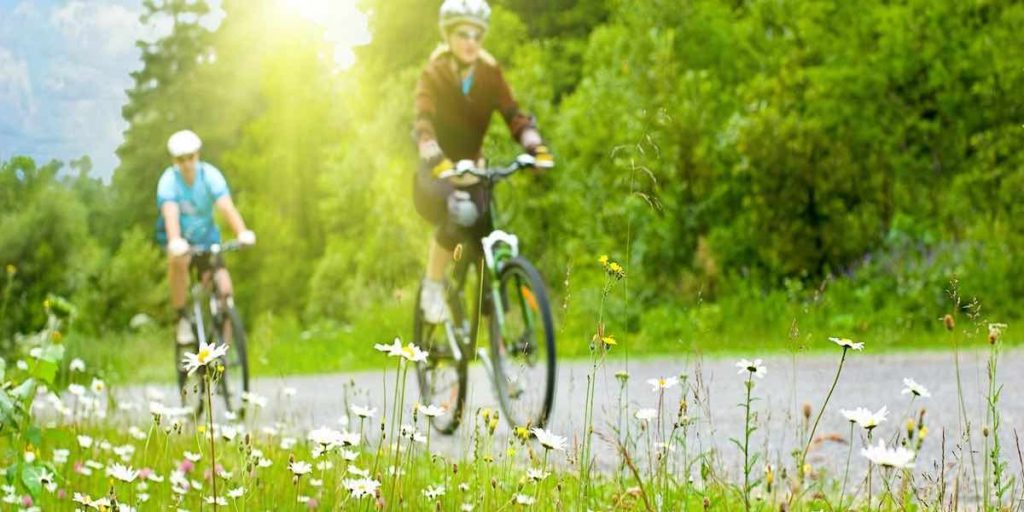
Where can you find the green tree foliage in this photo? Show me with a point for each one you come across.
(729, 149)
(44, 237)
(170, 93)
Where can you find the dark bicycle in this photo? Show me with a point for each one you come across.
(507, 291)
(219, 322)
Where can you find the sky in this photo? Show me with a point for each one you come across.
(65, 66)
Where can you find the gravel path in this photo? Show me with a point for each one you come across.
(870, 381)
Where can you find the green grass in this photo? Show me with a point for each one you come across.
(282, 346)
(491, 482)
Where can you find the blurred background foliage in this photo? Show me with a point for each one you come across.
(766, 170)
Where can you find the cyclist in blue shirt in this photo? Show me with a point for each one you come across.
(186, 196)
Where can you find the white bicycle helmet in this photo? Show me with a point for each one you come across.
(454, 12)
(183, 143)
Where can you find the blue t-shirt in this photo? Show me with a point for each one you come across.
(196, 203)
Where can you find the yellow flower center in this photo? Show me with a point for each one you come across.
(204, 355)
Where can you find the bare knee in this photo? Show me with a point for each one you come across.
(223, 279)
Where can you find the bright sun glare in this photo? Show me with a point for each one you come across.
(345, 26)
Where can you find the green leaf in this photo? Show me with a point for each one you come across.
(30, 477)
(10, 412)
(34, 435)
(45, 371)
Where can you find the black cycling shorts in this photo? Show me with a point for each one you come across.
(430, 196)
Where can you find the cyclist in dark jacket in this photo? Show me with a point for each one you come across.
(458, 92)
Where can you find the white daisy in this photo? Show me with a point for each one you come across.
(361, 487)
(414, 354)
(883, 456)
(256, 400)
(536, 475)
(363, 412)
(207, 354)
(646, 414)
(753, 367)
(912, 387)
(434, 492)
(865, 418)
(394, 349)
(430, 411)
(122, 473)
(300, 468)
(847, 343)
(77, 365)
(522, 499)
(549, 440)
(663, 383)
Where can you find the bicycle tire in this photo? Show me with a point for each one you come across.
(234, 382)
(534, 297)
(425, 335)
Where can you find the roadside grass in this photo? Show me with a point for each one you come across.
(283, 346)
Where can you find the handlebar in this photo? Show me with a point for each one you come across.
(463, 167)
(229, 246)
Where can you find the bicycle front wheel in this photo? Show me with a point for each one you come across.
(523, 346)
(234, 382)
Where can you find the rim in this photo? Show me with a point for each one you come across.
(523, 357)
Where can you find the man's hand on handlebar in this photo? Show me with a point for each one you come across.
(247, 237)
(177, 247)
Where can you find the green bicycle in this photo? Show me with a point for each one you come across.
(507, 292)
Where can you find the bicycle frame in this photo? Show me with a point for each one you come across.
(199, 288)
(497, 248)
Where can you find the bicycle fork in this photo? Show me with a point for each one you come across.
(497, 315)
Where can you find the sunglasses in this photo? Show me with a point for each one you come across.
(184, 158)
(470, 35)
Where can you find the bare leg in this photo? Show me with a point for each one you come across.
(177, 276)
(437, 261)
(223, 279)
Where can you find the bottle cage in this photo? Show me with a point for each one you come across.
(491, 242)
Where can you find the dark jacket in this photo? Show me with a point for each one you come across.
(459, 122)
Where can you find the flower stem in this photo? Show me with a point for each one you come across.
(810, 438)
(846, 472)
(213, 449)
(746, 444)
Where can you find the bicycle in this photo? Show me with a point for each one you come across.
(220, 322)
(521, 359)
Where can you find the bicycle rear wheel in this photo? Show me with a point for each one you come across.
(234, 382)
(442, 377)
(523, 346)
